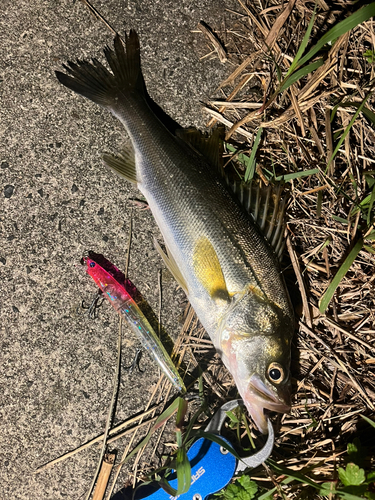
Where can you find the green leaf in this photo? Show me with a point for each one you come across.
(370, 180)
(250, 169)
(326, 299)
(327, 489)
(158, 423)
(242, 489)
(346, 131)
(352, 475)
(248, 485)
(370, 115)
(167, 487)
(305, 41)
(353, 447)
(183, 470)
(181, 412)
(300, 74)
(369, 249)
(370, 56)
(340, 219)
(298, 476)
(231, 491)
(297, 175)
(340, 29)
(372, 200)
(216, 439)
(232, 417)
(369, 421)
(241, 157)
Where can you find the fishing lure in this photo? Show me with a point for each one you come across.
(127, 308)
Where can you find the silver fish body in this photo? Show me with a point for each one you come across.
(217, 253)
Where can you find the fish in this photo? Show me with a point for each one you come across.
(221, 237)
(124, 304)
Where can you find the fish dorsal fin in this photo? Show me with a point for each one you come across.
(266, 205)
(208, 269)
(211, 146)
(123, 164)
(172, 267)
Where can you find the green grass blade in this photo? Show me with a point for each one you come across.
(340, 29)
(297, 175)
(349, 104)
(159, 422)
(183, 470)
(249, 174)
(348, 129)
(372, 200)
(216, 439)
(167, 487)
(305, 41)
(362, 205)
(368, 114)
(369, 421)
(339, 276)
(340, 219)
(300, 73)
(324, 489)
(297, 476)
(241, 157)
(181, 412)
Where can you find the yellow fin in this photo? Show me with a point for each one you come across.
(208, 269)
(171, 266)
(122, 164)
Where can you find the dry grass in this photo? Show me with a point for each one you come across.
(334, 353)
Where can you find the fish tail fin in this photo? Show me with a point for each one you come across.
(94, 81)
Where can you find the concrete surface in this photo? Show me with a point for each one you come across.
(58, 202)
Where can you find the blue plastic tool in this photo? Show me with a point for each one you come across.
(212, 467)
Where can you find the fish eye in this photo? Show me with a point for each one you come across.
(276, 373)
(92, 264)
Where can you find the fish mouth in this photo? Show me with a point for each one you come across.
(260, 397)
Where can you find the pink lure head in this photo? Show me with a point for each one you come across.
(113, 290)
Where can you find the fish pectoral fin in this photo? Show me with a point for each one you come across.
(211, 147)
(172, 267)
(208, 270)
(122, 164)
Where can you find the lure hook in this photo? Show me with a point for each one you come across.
(136, 360)
(95, 304)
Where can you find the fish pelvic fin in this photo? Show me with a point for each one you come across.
(122, 164)
(172, 266)
(208, 269)
(94, 81)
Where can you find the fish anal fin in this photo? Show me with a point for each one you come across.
(172, 267)
(123, 164)
(211, 146)
(266, 205)
(208, 270)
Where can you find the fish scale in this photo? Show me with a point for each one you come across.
(214, 249)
